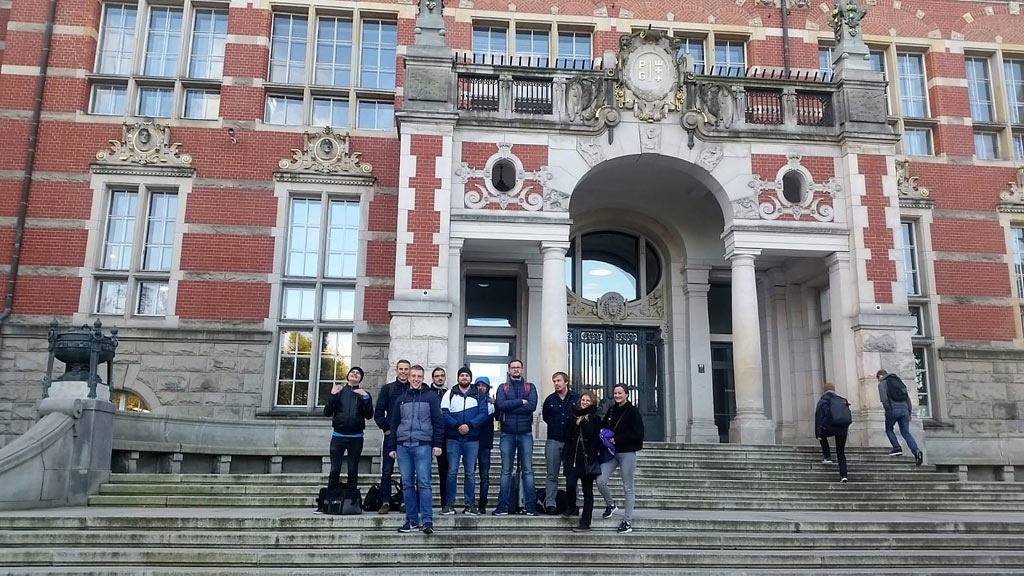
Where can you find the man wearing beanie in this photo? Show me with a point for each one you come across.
(349, 406)
(486, 442)
(464, 412)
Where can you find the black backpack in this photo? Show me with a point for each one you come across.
(896, 389)
(374, 499)
(839, 414)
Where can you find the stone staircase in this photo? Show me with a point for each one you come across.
(702, 510)
(711, 477)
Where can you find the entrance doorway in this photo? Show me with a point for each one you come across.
(602, 356)
(724, 388)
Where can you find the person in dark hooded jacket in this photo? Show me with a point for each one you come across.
(349, 408)
(627, 428)
(580, 457)
(825, 427)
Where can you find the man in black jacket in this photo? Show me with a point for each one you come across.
(381, 416)
(349, 406)
(438, 379)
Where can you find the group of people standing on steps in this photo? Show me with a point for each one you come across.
(455, 425)
(832, 419)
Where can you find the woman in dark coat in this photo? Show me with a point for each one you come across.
(626, 425)
(580, 457)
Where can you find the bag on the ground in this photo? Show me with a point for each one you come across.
(896, 389)
(325, 496)
(561, 499)
(351, 502)
(839, 412)
(396, 502)
(374, 499)
(517, 496)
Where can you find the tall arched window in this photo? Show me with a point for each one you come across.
(601, 262)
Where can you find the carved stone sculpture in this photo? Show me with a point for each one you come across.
(144, 143)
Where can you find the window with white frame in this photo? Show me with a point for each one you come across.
(1013, 72)
(918, 300)
(910, 258)
(876, 60)
(979, 89)
(490, 44)
(826, 54)
(730, 58)
(353, 70)
(132, 278)
(162, 84)
(1017, 237)
(317, 299)
(533, 46)
(917, 142)
(986, 145)
(574, 50)
(694, 48)
(913, 82)
(1018, 146)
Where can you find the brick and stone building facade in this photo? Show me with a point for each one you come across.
(742, 204)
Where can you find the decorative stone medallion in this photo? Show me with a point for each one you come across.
(811, 203)
(325, 152)
(144, 143)
(651, 74)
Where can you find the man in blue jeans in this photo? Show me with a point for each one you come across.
(464, 412)
(516, 401)
(896, 401)
(483, 457)
(381, 416)
(417, 430)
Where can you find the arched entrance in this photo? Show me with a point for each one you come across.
(638, 221)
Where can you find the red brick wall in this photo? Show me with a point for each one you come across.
(878, 238)
(423, 220)
(969, 322)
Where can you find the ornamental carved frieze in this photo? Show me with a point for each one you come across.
(1012, 200)
(612, 308)
(144, 144)
(815, 199)
(911, 193)
(846, 14)
(531, 190)
(325, 153)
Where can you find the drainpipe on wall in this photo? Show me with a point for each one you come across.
(785, 37)
(26, 179)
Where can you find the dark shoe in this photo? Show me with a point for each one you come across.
(918, 458)
(428, 528)
(407, 527)
(551, 511)
(499, 513)
(470, 511)
(530, 513)
(625, 528)
(447, 510)
(581, 528)
(570, 512)
(608, 511)
(843, 480)
(896, 453)
(384, 508)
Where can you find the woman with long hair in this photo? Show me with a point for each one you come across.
(580, 457)
(626, 428)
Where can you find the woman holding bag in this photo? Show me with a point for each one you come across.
(627, 428)
(582, 441)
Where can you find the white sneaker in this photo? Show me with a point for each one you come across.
(826, 461)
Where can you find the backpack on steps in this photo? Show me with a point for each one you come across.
(839, 414)
(896, 389)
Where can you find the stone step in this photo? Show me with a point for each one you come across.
(623, 556)
(677, 490)
(753, 502)
(583, 570)
(553, 536)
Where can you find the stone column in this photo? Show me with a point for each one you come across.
(750, 426)
(701, 428)
(554, 315)
(455, 347)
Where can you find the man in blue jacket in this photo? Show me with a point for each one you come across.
(417, 430)
(516, 401)
(558, 407)
(483, 457)
(464, 413)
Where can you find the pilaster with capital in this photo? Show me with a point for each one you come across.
(554, 314)
(701, 426)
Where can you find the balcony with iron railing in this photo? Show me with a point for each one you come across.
(502, 91)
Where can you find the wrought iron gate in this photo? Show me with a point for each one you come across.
(600, 357)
